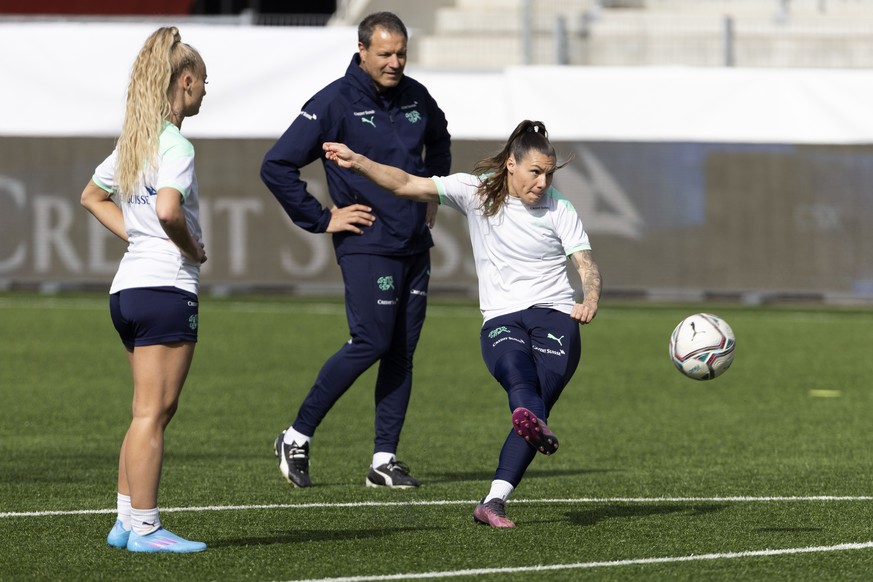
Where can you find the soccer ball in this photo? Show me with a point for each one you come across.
(702, 346)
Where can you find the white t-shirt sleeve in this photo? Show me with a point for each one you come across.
(104, 175)
(568, 225)
(458, 191)
(177, 167)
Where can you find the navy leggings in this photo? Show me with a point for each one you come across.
(533, 353)
(386, 301)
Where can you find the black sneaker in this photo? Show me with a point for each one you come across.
(293, 461)
(394, 475)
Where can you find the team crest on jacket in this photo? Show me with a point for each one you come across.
(413, 116)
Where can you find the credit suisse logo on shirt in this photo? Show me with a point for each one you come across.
(144, 198)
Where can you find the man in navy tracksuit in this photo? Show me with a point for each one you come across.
(382, 242)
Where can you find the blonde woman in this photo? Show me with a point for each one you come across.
(146, 193)
(522, 232)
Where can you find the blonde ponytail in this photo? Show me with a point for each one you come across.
(156, 68)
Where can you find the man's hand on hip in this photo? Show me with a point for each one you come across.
(348, 217)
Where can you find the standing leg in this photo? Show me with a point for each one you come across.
(159, 373)
(120, 532)
(507, 354)
(158, 326)
(394, 381)
(547, 365)
(371, 310)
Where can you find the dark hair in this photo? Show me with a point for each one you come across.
(528, 135)
(386, 20)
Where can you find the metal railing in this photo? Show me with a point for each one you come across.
(776, 35)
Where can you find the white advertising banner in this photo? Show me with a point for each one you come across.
(69, 79)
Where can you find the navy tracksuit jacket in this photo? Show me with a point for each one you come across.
(391, 128)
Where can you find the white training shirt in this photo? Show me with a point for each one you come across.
(521, 252)
(152, 259)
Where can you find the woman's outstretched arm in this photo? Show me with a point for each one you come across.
(390, 178)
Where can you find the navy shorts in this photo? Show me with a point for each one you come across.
(148, 316)
(549, 338)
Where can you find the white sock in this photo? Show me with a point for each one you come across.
(380, 459)
(499, 490)
(144, 521)
(292, 436)
(123, 504)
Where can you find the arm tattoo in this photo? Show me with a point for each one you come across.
(590, 275)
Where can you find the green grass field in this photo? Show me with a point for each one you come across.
(761, 474)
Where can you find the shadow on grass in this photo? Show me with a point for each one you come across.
(488, 474)
(593, 516)
(538, 473)
(312, 535)
(789, 529)
(80, 469)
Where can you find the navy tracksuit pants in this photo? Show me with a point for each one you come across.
(386, 301)
(533, 353)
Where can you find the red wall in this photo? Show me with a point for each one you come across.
(101, 7)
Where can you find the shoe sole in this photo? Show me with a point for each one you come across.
(534, 431)
(182, 550)
(369, 483)
(163, 543)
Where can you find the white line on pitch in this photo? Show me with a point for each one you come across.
(740, 499)
(589, 565)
